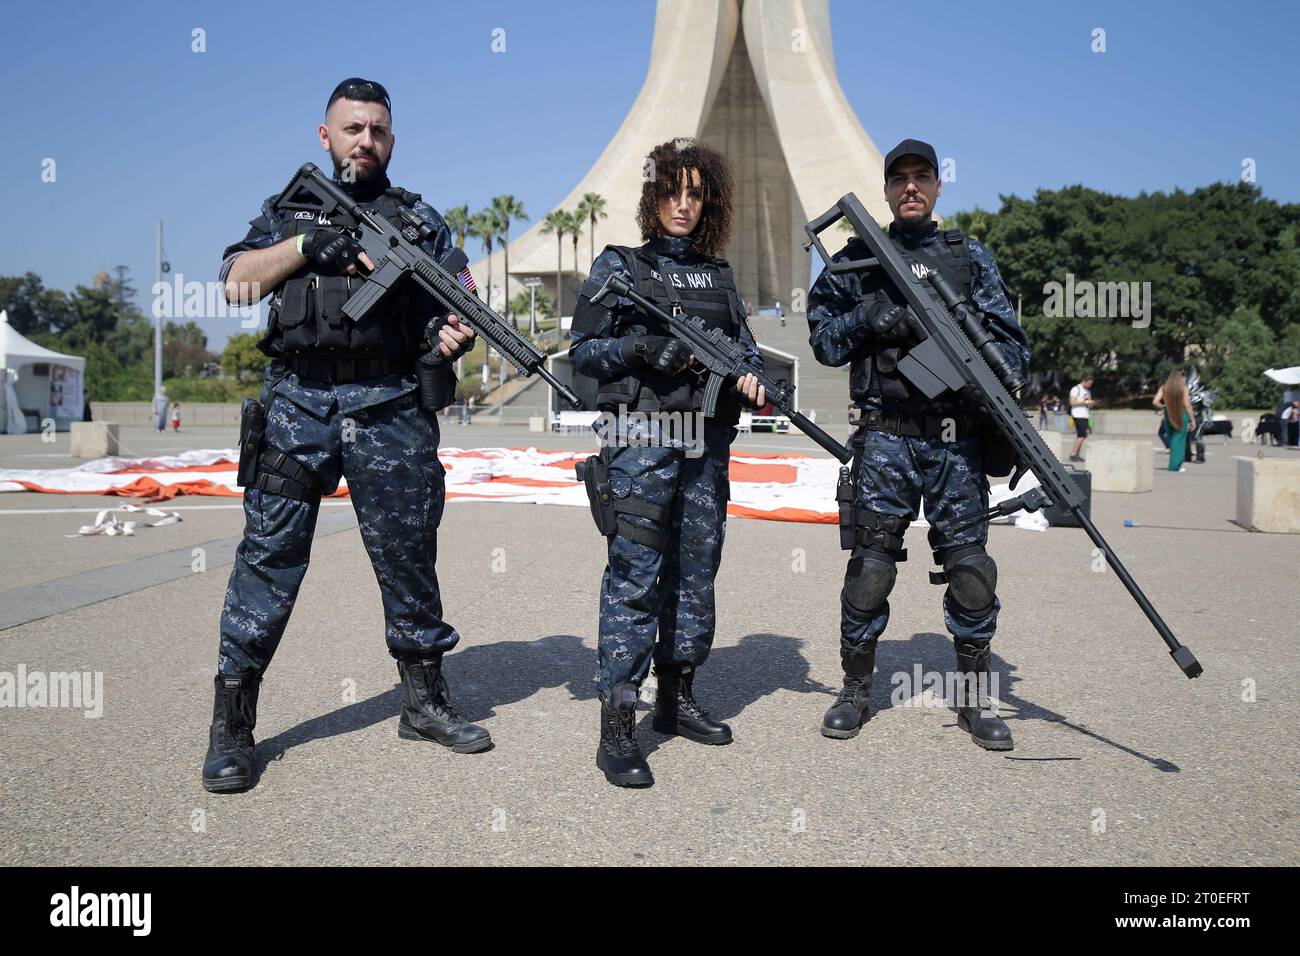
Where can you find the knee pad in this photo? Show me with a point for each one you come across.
(972, 578)
(869, 578)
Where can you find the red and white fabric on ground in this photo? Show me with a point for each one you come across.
(771, 487)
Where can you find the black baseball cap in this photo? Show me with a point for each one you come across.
(911, 147)
(357, 88)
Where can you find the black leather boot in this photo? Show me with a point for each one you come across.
(618, 754)
(428, 714)
(228, 767)
(849, 712)
(976, 715)
(678, 712)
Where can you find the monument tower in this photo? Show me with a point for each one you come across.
(756, 80)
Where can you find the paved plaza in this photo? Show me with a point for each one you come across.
(1119, 759)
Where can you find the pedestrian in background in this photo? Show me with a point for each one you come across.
(1081, 405)
(1179, 419)
(160, 406)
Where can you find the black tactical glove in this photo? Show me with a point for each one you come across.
(329, 250)
(893, 324)
(659, 352)
(433, 345)
(973, 396)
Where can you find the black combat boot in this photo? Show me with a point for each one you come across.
(428, 714)
(228, 767)
(678, 712)
(849, 712)
(975, 713)
(618, 754)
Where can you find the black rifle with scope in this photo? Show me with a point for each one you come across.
(958, 351)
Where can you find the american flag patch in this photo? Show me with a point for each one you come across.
(467, 281)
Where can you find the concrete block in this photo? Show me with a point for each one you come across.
(1268, 494)
(1056, 443)
(94, 439)
(1118, 465)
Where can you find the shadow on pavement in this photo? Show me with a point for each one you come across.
(935, 652)
(487, 676)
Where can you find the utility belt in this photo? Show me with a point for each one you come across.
(608, 509)
(914, 425)
(344, 369)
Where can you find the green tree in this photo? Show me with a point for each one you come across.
(484, 227)
(592, 207)
(521, 303)
(1243, 348)
(575, 225)
(557, 223)
(185, 349)
(242, 359)
(505, 208)
(457, 220)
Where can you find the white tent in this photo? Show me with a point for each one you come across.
(44, 384)
(1284, 376)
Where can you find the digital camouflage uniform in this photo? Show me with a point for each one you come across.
(374, 433)
(896, 472)
(646, 592)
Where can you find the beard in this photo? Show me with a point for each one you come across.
(912, 220)
(348, 171)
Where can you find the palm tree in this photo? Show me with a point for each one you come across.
(484, 227)
(575, 229)
(593, 207)
(557, 222)
(457, 220)
(505, 208)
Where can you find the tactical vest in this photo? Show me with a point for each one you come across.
(307, 313)
(706, 289)
(875, 372)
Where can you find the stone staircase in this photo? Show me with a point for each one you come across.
(821, 389)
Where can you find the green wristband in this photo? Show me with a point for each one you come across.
(301, 237)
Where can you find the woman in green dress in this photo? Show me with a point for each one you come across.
(1178, 408)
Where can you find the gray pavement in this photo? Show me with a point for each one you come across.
(1119, 759)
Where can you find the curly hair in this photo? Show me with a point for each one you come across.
(666, 164)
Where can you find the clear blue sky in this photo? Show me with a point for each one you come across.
(142, 128)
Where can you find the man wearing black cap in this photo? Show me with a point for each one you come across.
(340, 401)
(907, 448)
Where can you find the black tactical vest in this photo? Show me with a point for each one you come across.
(706, 289)
(307, 312)
(874, 373)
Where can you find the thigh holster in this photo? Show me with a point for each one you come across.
(608, 509)
(278, 474)
(252, 426)
(862, 527)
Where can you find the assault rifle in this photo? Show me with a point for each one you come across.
(394, 249)
(723, 360)
(958, 351)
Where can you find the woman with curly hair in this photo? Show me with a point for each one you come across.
(667, 482)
